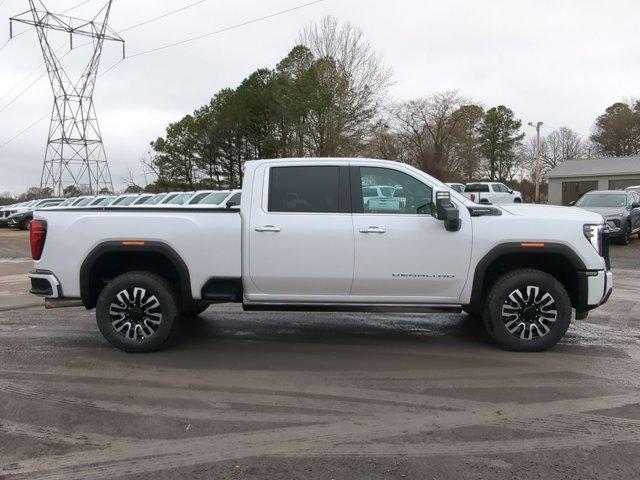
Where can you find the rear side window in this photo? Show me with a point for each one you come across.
(476, 187)
(305, 189)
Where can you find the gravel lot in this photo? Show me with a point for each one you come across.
(316, 396)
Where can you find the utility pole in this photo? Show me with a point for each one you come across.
(75, 154)
(538, 154)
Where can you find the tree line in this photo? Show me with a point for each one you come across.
(329, 98)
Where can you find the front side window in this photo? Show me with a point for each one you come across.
(305, 189)
(409, 196)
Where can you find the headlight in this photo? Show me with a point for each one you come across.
(594, 233)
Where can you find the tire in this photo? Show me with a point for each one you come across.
(527, 325)
(472, 312)
(626, 236)
(192, 310)
(24, 225)
(124, 322)
(517, 200)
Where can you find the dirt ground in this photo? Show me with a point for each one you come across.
(317, 396)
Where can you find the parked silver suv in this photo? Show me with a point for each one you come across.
(621, 211)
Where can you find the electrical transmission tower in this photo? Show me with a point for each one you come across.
(75, 153)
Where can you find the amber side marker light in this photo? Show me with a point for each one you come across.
(532, 245)
(133, 244)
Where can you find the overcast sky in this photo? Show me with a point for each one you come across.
(559, 61)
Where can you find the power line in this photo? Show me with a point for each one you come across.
(89, 43)
(243, 24)
(162, 16)
(22, 132)
(215, 32)
(4, 45)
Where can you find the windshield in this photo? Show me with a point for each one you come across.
(143, 200)
(199, 197)
(179, 199)
(83, 202)
(603, 200)
(215, 198)
(157, 199)
(124, 201)
(67, 202)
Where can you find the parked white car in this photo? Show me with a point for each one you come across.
(491, 192)
(222, 198)
(303, 240)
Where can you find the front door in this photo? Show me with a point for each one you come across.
(403, 253)
(301, 234)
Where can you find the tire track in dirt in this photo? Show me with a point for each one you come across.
(119, 459)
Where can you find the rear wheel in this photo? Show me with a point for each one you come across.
(527, 311)
(137, 312)
(26, 223)
(517, 200)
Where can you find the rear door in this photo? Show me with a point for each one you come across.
(301, 234)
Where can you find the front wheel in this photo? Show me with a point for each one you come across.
(137, 312)
(626, 236)
(527, 311)
(517, 200)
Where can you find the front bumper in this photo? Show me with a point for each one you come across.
(594, 290)
(44, 284)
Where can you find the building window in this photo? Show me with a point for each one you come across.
(622, 184)
(572, 191)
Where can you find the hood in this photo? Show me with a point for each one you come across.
(606, 211)
(552, 212)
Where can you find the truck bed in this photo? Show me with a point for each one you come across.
(207, 240)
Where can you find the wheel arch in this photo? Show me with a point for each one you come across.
(113, 258)
(556, 259)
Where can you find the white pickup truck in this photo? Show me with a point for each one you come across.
(304, 239)
(491, 193)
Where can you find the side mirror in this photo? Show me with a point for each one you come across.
(572, 204)
(510, 192)
(445, 210)
(231, 204)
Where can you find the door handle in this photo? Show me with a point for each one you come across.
(268, 229)
(378, 230)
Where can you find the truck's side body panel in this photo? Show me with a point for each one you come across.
(207, 241)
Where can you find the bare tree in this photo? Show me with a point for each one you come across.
(426, 127)
(354, 82)
(560, 145)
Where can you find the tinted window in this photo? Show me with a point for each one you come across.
(476, 187)
(198, 197)
(236, 199)
(304, 189)
(410, 196)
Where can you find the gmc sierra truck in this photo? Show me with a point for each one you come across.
(304, 239)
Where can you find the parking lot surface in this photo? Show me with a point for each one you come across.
(316, 396)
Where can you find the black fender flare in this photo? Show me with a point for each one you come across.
(517, 247)
(128, 246)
